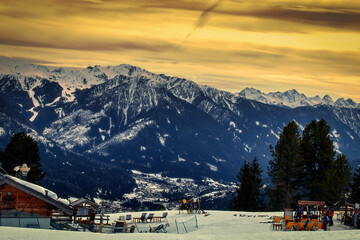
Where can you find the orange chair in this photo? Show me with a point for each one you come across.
(309, 226)
(319, 226)
(315, 221)
(300, 226)
(276, 224)
(289, 226)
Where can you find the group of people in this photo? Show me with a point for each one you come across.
(192, 205)
(327, 216)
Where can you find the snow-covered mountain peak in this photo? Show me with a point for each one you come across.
(292, 98)
(250, 92)
(292, 92)
(352, 103)
(328, 100)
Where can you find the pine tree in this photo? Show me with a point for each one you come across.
(355, 186)
(2, 156)
(338, 180)
(284, 169)
(248, 196)
(318, 154)
(258, 202)
(23, 149)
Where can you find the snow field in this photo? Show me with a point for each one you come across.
(219, 225)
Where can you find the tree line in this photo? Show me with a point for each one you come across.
(303, 166)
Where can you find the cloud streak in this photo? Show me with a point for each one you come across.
(337, 20)
(203, 18)
(96, 45)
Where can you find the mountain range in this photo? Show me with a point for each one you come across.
(293, 99)
(105, 131)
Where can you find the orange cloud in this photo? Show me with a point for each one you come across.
(269, 44)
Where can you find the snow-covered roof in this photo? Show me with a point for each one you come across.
(35, 187)
(82, 201)
(37, 191)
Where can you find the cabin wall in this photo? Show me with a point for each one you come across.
(12, 198)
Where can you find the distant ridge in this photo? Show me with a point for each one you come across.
(293, 99)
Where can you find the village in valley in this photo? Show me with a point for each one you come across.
(26, 205)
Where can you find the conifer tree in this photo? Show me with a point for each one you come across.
(257, 185)
(248, 196)
(355, 186)
(23, 149)
(285, 168)
(338, 180)
(318, 154)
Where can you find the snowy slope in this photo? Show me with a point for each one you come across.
(218, 225)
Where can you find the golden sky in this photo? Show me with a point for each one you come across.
(272, 45)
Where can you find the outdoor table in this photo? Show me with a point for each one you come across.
(277, 226)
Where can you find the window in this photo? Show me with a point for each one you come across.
(83, 212)
(9, 194)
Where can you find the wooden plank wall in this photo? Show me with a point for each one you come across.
(23, 202)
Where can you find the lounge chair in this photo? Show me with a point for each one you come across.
(300, 226)
(315, 221)
(309, 226)
(164, 216)
(128, 218)
(150, 217)
(160, 218)
(160, 228)
(319, 226)
(143, 217)
(289, 225)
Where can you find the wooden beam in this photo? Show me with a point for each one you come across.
(17, 200)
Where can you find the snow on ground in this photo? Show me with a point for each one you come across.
(218, 225)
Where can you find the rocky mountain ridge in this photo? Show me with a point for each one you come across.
(99, 125)
(293, 99)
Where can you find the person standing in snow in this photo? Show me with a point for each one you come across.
(299, 212)
(325, 221)
(356, 218)
(330, 214)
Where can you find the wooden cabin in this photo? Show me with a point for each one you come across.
(20, 200)
(84, 210)
(312, 208)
